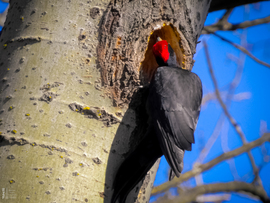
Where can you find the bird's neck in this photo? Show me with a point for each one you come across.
(172, 62)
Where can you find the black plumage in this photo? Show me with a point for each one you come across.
(135, 167)
(173, 105)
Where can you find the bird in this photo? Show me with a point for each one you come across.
(173, 105)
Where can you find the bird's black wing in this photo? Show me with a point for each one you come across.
(174, 105)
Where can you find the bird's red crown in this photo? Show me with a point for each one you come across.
(160, 49)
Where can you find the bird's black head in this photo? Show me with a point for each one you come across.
(165, 56)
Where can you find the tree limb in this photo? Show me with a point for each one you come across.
(203, 167)
(226, 16)
(223, 106)
(243, 50)
(232, 86)
(213, 198)
(226, 26)
(231, 119)
(235, 97)
(234, 186)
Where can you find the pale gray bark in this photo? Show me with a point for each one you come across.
(60, 154)
(61, 136)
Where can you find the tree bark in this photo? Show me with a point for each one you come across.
(53, 147)
(71, 106)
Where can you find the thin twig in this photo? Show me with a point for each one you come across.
(226, 26)
(232, 87)
(243, 50)
(230, 118)
(211, 141)
(203, 167)
(226, 16)
(234, 97)
(240, 68)
(221, 119)
(233, 186)
(225, 148)
(213, 198)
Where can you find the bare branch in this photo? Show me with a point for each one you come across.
(235, 97)
(234, 186)
(240, 67)
(243, 50)
(213, 198)
(223, 25)
(231, 119)
(229, 97)
(226, 16)
(208, 97)
(203, 167)
(211, 141)
(225, 148)
(231, 91)
(220, 122)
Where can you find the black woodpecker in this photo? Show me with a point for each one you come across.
(173, 105)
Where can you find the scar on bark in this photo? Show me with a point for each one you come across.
(95, 113)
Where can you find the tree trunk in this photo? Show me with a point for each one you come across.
(71, 106)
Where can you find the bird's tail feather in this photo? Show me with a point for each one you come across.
(173, 154)
(171, 174)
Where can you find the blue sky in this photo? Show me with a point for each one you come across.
(249, 113)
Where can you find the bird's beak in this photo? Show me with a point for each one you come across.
(158, 39)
